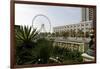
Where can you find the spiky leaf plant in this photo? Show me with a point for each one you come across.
(25, 42)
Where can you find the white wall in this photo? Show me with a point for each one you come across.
(5, 35)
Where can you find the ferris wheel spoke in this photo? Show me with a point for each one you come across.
(41, 26)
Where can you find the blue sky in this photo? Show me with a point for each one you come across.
(57, 15)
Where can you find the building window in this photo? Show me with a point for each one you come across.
(82, 24)
(74, 26)
(70, 26)
(86, 24)
(82, 28)
(87, 28)
(78, 25)
(67, 26)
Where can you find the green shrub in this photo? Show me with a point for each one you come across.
(25, 37)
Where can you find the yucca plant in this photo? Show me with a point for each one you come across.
(25, 42)
(25, 33)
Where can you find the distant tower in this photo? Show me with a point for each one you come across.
(87, 14)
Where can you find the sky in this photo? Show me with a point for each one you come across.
(51, 16)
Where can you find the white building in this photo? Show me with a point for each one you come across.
(83, 26)
(87, 14)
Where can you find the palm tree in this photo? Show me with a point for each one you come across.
(80, 33)
(25, 42)
(65, 34)
(57, 34)
(87, 34)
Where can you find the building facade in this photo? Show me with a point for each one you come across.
(83, 26)
(72, 46)
(87, 14)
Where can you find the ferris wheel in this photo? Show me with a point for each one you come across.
(41, 23)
